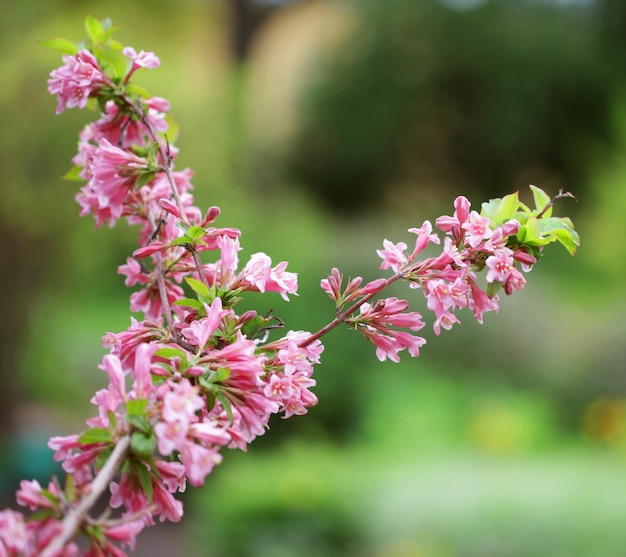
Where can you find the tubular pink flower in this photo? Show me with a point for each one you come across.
(142, 59)
(500, 267)
(477, 229)
(75, 81)
(393, 255)
(424, 237)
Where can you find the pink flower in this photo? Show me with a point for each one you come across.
(125, 533)
(76, 80)
(453, 224)
(198, 461)
(199, 331)
(260, 275)
(393, 255)
(13, 536)
(142, 59)
(477, 229)
(500, 267)
(424, 237)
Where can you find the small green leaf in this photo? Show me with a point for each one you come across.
(144, 479)
(73, 174)
(541, 200)
(252, 327)
(137, 91)
(95, 435)
(143, 444)
(226, 404)
(112, 60)
(199, 287)
(488, 208)
(112, 420)
(170, 352)
(64, 46)
(493, 288)
(181, 241)
(220, 374)
(505, 210)
(188, 302)
(144, 178)
(137, 406)
(94, 28)
(103, 456)
(139, 422)
(196, 232)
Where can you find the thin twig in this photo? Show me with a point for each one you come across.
(77, 515)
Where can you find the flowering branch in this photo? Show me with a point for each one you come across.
(193, 376)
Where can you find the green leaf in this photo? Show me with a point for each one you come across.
(144, 479)
(507, 207)
(112, 60)
(136, 407)
(139, 422)
(95, 435)
(94, 28)
(488, 208)
(220, 374)
(182, 241)
(188, 302)
(143, 444)
(64, 46)
(73, 174)
(169, 352)
(137, 91)
(196, 232)
(199, 288)
(560, 229)
(226, 404)
(102, 457)
(252, 327)
(493, 288)
(112, 420)
(541, 200)
(144, 178)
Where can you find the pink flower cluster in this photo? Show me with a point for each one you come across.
(449, 281)
(192, 376)
(77, 80)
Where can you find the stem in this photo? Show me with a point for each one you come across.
(77, 515)
(343, 316)
(166, 167)
(558, 196)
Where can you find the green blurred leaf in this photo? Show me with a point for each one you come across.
(199, 288)
(226, 404)
(64, 46)
(541, 200)
(188, 302)
(136, 407)
(143, 444)
(73, 174)
(144, 477)
(144, 178)
(94, 29)
(171, 352)
(137, 91)
(506, 208)
(95, 435)
(139, 422)
(112, 60)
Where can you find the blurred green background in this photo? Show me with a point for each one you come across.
(320, 128)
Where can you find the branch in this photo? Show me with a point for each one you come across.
(77, 515)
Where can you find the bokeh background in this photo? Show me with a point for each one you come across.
(321, 127)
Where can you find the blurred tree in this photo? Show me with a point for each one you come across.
(505, 94)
